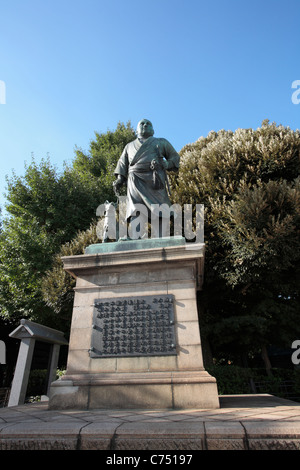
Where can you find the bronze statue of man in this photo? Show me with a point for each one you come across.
(144, 163)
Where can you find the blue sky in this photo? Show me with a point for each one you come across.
(72, 67)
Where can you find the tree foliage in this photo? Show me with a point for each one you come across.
(58, 285)
(103, 155)
(46, 209)
(248, 181)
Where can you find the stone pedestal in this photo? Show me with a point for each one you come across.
(139, 269)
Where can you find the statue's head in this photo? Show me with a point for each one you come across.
(144, 128)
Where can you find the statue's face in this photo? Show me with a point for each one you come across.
(144, 128)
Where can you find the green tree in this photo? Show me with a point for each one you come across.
(248, 182)
(58, 285)
(46, 209)
(104, 152)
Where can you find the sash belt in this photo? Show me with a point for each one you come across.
(136, 169)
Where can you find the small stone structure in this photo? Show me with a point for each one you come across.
(28, 332)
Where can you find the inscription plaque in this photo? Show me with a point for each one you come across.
(133, 326)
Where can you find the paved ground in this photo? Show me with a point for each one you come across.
(243, 422)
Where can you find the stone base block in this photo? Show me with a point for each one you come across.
(194, 389)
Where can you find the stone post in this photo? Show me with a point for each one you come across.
(20, 381)
(28, 332)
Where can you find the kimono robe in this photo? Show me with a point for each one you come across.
(134, 164)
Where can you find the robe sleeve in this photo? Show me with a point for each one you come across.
(170, 155)
(122, 165)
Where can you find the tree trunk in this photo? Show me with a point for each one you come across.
(266, 359)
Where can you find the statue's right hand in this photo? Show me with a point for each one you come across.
(117, 184)
(119, 181)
